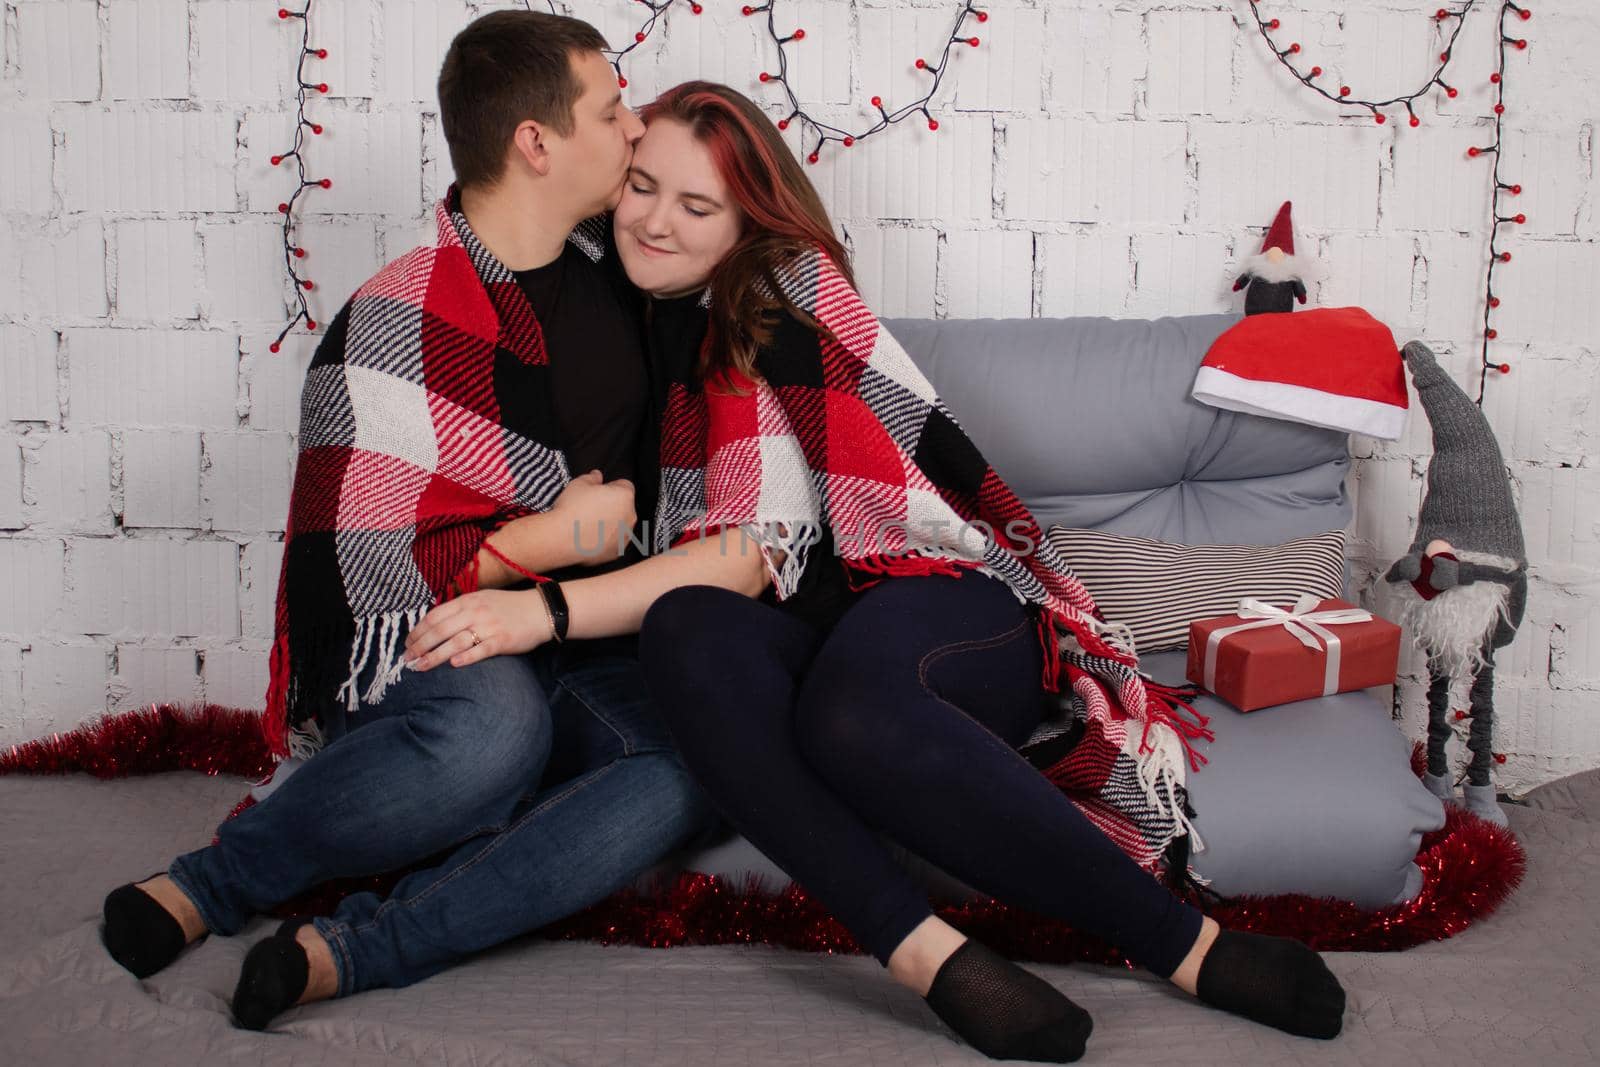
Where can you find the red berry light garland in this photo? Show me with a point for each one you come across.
(1455, 19)
(820, 133)
(1497, 256)
(658, 8)
(1344, 94)
(292, 251)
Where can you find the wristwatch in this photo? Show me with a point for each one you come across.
(555, 601)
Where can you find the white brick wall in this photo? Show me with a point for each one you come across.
(1097, 157)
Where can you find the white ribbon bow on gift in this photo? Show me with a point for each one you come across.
(1306, 625)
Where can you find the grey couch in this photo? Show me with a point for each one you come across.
(1091, 422)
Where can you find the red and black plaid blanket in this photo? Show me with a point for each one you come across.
(408, 460)
(844, 431)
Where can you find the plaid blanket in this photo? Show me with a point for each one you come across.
(843, 430)
(421, 432)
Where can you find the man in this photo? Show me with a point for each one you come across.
(442, 418)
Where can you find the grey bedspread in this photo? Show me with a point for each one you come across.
(1520, 988)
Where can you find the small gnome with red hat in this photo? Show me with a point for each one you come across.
(1275, 277)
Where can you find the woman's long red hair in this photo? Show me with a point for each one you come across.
(783, 217)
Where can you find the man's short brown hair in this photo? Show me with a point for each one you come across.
(502, 70)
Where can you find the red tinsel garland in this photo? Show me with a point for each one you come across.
(1469, 868)
(163, 737)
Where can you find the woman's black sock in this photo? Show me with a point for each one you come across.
(139, 933)
(1005, 1012)
(271, 980)
(1273, 980)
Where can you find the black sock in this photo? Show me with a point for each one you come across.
(271, 980)
(1273, 980)
(139, 933)
(1005, 1012)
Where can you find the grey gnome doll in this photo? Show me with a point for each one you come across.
(1464, 582)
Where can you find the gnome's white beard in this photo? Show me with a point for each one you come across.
(1453, 626)
(1286, 269)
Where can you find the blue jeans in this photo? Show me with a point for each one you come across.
(541, 783)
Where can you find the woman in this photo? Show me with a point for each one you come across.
(842, 639)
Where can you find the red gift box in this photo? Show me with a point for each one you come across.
(1266, 656)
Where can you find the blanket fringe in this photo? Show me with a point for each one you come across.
(377, 642)
(794, 540)
(1164, 704)
(868, 571)
(305, 741)
(1167, 750)
(1162, 749)
(1159, 765)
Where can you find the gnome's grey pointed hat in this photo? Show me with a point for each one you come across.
(1468, 501)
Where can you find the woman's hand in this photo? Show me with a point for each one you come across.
(492, 622)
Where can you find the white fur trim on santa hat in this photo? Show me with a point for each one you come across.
(1297, 403)
(1263, 267)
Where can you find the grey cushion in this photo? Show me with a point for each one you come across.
(1313, 797)
(1091, 422)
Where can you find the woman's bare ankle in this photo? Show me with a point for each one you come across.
(1187, 976)
(164, 891)
(917, 959)
(322, 976)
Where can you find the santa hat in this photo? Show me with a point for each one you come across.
(1332, 367)
(1280, 235)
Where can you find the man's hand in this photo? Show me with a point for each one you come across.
(597, 515)
(493, 622)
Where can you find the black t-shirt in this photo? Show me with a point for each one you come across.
(675, 329)
(597, 372)
(599, 384)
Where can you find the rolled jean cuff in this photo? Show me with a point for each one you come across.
(334, 934)
(202, 901)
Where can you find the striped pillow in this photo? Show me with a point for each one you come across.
(1158, 588)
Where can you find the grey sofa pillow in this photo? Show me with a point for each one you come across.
(1313, 797)
(1091, 422)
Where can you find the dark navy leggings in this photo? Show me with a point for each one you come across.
(904, 721)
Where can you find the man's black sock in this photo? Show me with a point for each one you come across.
(1005, 1012)
(1273, 980)
(271, 980)
(139, 933)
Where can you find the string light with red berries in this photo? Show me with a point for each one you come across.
(658, 10)
(293, 252)
(1451, 21)
(1288, 55)
(819, 133)
(1497, 255)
